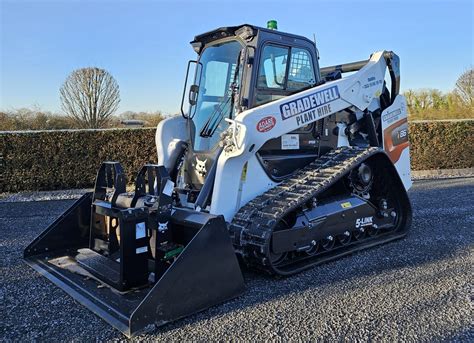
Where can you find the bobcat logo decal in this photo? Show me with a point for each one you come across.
(162, 227)
(201, 167)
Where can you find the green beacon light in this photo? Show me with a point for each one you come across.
(272, 25)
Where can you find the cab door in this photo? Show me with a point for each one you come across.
(285, 70)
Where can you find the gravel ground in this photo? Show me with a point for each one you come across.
(415, 289)
(43, 195)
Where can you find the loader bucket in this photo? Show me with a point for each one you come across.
(205, 273)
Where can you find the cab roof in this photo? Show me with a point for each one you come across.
(244, 31)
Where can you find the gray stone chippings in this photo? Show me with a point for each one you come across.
(67, 194)
(415, 289)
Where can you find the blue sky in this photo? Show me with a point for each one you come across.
(145, 44)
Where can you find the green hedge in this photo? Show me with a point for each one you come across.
(442, 144)
(48, 160)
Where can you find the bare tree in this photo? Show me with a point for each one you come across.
(465, 87)
(90, 96)
(410, 97)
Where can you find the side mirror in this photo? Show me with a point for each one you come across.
(193, 94)
(193, 89)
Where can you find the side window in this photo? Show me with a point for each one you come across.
(301, 72)
(272, 68)
(215, 78)
(274, 75)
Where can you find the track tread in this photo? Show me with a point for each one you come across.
(252, 227)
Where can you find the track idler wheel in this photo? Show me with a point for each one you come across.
(313, 249)
(344, 238)
(328, 243)
(361, 179)
(372, 230)
(359, 233)
(277, 258)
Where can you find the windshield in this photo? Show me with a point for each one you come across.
(220, 79)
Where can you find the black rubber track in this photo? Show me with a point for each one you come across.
(253, 225)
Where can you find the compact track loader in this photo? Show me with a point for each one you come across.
(277, 164)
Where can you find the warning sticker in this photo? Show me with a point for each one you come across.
(243, 176)
(140, 230)
(168, 189)
(346, 204)
(290, 142)
(141, 250)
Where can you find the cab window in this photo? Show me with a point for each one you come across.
(272, 69)
(283, 70)
(301, 73)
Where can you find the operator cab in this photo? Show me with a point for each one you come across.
(246, 66)
(238, 68)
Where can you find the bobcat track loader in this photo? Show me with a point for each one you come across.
(278, 165)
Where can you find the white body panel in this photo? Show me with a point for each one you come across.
(169, 133)
(342, 139)
(404, 168)
(252, 181)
